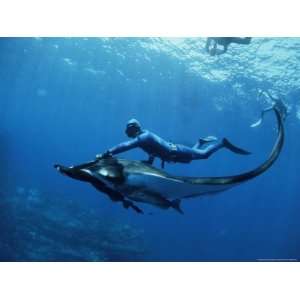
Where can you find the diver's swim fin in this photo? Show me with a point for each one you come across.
(234, 149)
(176, 205)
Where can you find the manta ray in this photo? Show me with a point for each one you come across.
(131, 181)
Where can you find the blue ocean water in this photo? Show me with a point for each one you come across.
(63, 100)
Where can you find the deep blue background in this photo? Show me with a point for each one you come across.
(64, 100)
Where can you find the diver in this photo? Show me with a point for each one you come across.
(167, 151)
(276, 103)
(212, 44)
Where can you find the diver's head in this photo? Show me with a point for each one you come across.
(133, 128)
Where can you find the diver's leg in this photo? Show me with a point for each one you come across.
(204, 140)
(207, 152)
(198, 144)
(210, 150)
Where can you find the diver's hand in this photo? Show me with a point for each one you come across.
(106, 154)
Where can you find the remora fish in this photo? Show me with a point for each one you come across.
(129, 180)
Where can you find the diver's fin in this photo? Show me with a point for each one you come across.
(256, 123)
(176, 205)
(234, 149)
(207, 139)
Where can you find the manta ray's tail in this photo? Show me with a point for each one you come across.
(176, 205)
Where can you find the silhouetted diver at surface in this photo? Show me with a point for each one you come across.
(155, 146)
(212, 44)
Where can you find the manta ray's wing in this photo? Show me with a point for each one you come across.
(170, 187)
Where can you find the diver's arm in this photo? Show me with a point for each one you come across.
(124, 146)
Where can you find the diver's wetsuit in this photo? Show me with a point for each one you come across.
(157, 147)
